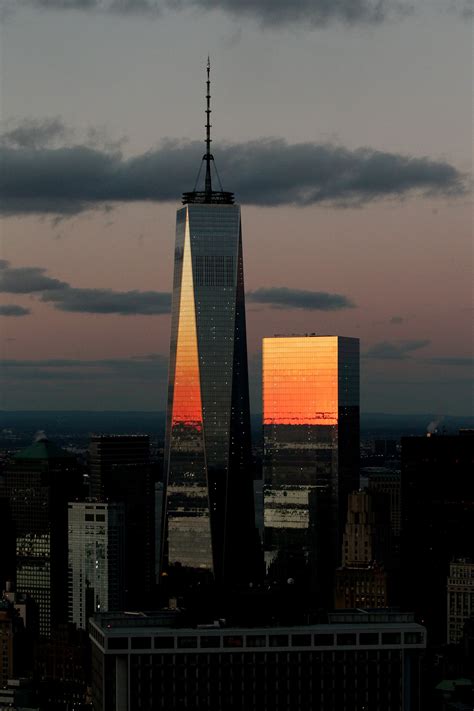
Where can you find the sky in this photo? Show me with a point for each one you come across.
(345, 130)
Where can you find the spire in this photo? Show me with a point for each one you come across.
(208, 157)
(208, 195)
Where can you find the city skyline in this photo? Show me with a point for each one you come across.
(383, 259)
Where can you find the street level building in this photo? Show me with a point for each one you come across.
(209, 523)
(357, 660)
(311, 453)
(460, 597)
(96, 559)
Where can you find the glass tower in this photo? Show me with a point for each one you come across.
(311, 452)
(209, 525)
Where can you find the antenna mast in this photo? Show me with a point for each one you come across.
(208, 157)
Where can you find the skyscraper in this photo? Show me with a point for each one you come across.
(95, 561)
(311, 452)
(39, 482)
(120, 472)
(209, 525)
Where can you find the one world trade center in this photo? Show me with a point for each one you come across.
(209, 524)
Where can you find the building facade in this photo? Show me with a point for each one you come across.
(460, 597)
(38, 483)
(356, 661)
(437, 505)
(362, 580)
(121, 473)
(209, 522)
(311, 452)
(96, 559)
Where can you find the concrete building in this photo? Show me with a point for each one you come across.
(362, 581)
(357, 660)
(95, 559)
(460, 597)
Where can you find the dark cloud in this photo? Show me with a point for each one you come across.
(36, 133)
(284, 298)
(457, 361)
(106, 301)
(33, 280)
(69, 179)
(396, 320)
(387, 350)
(26, 280)
(13, 310)
(143, 368)
(310, 13)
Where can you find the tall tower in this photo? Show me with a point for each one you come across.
(209, 523)
(311, 454)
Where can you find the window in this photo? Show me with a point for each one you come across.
(256, 640)
(233, 641)
(187, 642)
(413, 637)
(346, 639)
(391, 638)
(118, 643)
(301, 640)
(369, 638)
(323, 640)
(278, 640)
(164, 642)
(210, 642)
(141, 642)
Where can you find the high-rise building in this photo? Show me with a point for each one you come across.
(209, 526)
(121, 472)
(38, 483)
(437, 505)
(353, 661)
(96, 559)
(311, 452)
(460, 597)
(362, 581)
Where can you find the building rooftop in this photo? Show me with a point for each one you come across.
(43, 449)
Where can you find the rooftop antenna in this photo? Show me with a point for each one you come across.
(208, 195)
(208, 156)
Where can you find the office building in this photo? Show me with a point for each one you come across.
(38, 483)
(209, 525)
(311, 453)
(96, 559)
(354, 661)
(121, 472)
(437, 504)
(460, 597)
(362, 581)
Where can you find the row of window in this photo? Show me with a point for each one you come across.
(262, 640)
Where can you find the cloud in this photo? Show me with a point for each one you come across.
(36, 133)
(456, 361)
(33, 280)
(106, 301)
(143, 368)
(309, 13)
(284, 298)
(396, 320)
(13, 310)
(26, 280)
(68, 179)
(387, 350)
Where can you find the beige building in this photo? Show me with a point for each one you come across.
(460, 597)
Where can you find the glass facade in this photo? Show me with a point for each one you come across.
(209, 491)
(311, 445)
